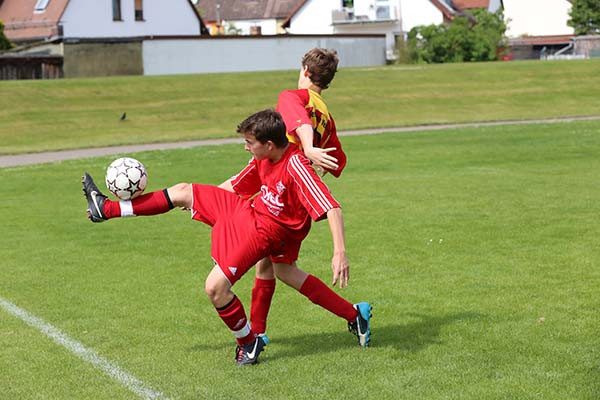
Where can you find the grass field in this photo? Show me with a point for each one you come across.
(477, 247)
(75, 113)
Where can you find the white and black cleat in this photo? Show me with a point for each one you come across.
(248, 353)
(95, 199)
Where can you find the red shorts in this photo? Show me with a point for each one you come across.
(239, 237)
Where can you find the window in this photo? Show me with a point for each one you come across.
(41, 5)
(348, 3)
(139, 10)
(116, 10)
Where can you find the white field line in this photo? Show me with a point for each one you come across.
(129, 381)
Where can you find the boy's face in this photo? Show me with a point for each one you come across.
(257, 149)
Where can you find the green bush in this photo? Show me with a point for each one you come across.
(5, 44)
(477, 36)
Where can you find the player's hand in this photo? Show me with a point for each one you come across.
(320, 158)
(341, 269)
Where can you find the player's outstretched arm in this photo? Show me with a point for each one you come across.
(339, 262)
(317, 155)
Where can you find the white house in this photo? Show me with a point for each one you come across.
(366, 16)
(389, 17)
(32, 20)
(537, 17)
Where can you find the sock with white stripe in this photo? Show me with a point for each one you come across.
(234, 316)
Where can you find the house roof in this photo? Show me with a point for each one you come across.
(246, 9)
(468, 4)
(541, 40)
(21, 22)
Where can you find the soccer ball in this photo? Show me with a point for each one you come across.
(126, 178)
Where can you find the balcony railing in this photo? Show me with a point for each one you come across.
(347, 16)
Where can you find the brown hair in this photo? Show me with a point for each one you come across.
(265, 125)
(322, 66)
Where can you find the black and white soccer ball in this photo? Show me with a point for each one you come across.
(126, 178)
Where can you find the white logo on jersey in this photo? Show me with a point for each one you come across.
(233, 270)
(271, 200)
(280, 187)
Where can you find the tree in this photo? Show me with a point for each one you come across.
(477, 36)
(5, 44)
(585, 16)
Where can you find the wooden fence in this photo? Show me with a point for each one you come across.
(30, 67)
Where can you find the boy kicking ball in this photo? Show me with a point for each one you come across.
(272, 224)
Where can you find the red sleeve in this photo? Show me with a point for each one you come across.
(247, 182)
(291, 104)
(334, 141)
(312, 192)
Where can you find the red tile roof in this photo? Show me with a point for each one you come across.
(246, 9)
(541, 40)
(467, 4)
(21, 22)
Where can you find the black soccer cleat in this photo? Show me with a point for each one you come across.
(95, 199)
(361, 326)
(248, 353)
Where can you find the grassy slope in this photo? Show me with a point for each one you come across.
(463, 240)
(64, 114)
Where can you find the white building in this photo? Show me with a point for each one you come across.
(366, 16)
(537, 17)
(34, 20)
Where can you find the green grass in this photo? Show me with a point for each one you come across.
(76, 113)
(477, 247)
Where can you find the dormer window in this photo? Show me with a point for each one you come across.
(40, 6)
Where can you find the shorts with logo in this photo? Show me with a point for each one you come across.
(239, 237)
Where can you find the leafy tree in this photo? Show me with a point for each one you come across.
(5, 44)
(585, 16)
(477, 36)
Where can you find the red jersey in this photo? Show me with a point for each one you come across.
(304, 106)
(290, 191)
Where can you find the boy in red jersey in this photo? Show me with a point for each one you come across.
(272, 224)
(311, 127)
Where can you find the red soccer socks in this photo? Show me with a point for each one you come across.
(262, 293)
(147, 204)
(320, 294)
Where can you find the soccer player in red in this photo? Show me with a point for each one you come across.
(312, 129)
(246, 230)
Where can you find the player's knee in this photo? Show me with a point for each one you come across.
(216, 291)
(211, 289)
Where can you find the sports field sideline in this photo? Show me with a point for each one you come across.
(45, 157)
